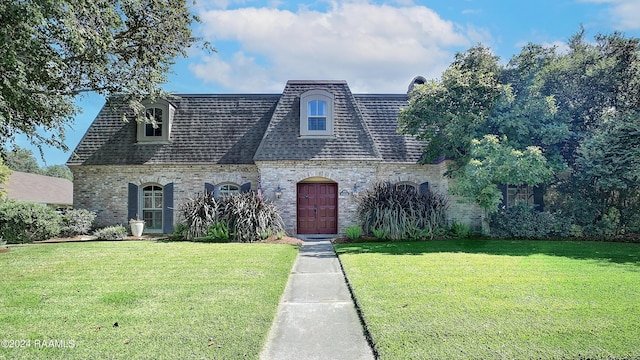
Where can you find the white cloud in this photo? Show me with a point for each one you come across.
(625, 13)
(376, 48)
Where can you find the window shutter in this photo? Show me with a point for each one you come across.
(538, 197)
(209, 188)
(245, 187)
(424, 188)
(167, 208)
(503, 190)
(132, 204)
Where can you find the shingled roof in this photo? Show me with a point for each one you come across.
(241, 129)
(212, 129)
(39, 189)
(380, 113)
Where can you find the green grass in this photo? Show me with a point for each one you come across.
(170, 300)
(481, 299)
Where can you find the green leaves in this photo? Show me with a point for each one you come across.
(494, 162)
(449, 113)
(54, 51)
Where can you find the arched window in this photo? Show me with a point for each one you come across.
(152, 207)
(406, 186)
(157, 123)
(229, 189)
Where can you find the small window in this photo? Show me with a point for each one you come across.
(229, 189)
(153, 127)
(157, 124)
(519, 195)
(316, 114)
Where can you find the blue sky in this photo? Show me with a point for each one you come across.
(376, 46)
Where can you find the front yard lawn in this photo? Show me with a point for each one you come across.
(140, 299)
(480, 299)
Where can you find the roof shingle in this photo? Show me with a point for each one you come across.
(241, 129)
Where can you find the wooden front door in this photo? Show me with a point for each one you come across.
(317, 208)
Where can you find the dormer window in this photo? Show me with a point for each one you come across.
(157, 124)
(316, 113)
(153, 127)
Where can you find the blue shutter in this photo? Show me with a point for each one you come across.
(167, 208)
(538, 197)
(209, 188)
(245, 187)
(132, 204)
(503, 190)
(423, 189)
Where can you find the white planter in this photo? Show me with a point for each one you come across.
(137, 226)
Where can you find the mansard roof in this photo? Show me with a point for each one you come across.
(210, 129)
(244, 128)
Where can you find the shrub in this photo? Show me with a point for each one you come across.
(218, 232)
(22, 222)
(380, 234)
(353, 232)
(198, 213)
(77, 222)
(117, 232)
(179, 232)
(250, 217)
(460, 230)
(523, 221)
(247, 217)
(402, 212)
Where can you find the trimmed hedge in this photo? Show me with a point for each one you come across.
(523, 222)
(22, 222)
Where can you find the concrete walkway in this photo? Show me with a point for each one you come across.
(317, 318)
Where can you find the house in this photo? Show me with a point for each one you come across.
(310, 149)
(51, 191)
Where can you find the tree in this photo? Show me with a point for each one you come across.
(59, 171)
(608, 180)
(493, 162)
(450, 113)
(20, 159)
(53, 51)
(5, 172)
(465, 115)
(574, 114)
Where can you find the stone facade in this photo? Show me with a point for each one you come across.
(103, 189)
(257, 140)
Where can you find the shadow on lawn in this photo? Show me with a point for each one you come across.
(619, 253)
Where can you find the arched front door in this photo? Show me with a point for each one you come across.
(317, 206)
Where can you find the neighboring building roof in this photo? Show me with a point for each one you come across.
(241, 129)
(39, 189)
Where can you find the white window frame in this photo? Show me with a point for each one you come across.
(229, 189)
(154, 209)
(165, 121)
(305, 99)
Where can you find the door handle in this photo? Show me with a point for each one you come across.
(315, 211)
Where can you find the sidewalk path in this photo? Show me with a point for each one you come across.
(317, 318)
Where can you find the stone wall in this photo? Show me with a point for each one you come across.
(287, 174)
(103, 189)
